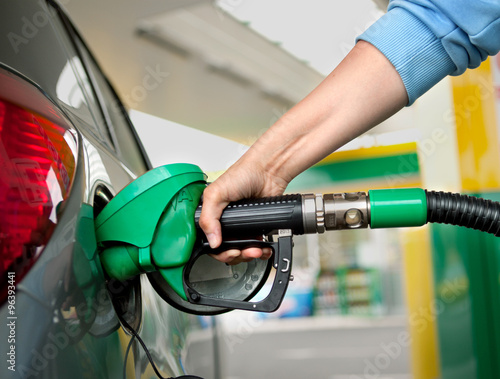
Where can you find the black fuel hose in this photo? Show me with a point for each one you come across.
(462, 210)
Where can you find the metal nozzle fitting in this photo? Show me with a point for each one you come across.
(335, 211)
(346, 211)
(309, 207)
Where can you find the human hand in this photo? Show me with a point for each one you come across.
(245, 179)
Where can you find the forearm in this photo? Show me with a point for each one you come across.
(362, 91)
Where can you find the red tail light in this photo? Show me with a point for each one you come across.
(37, 163)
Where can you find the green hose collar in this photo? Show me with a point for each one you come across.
(394, 208)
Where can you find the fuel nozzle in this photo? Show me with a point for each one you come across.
(317, 213)
(151, 227)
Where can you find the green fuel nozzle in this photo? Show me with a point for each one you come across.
(151, 227)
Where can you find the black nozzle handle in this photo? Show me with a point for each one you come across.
(254, 217)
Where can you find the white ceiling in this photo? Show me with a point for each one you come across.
(231, 67)
(317, 31)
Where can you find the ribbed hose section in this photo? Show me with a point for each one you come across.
(462, 210)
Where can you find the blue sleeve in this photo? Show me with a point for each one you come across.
(427, 40)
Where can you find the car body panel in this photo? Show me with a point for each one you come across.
(67, 321)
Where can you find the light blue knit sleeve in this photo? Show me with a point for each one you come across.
(426, 40)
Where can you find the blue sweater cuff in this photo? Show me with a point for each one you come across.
(416, 53)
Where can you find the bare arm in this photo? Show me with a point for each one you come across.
(361, 92)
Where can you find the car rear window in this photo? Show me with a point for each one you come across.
(127, 143)
(36, 45)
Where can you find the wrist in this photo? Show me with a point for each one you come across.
(273, 155)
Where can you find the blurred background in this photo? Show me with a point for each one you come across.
(204, 79)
